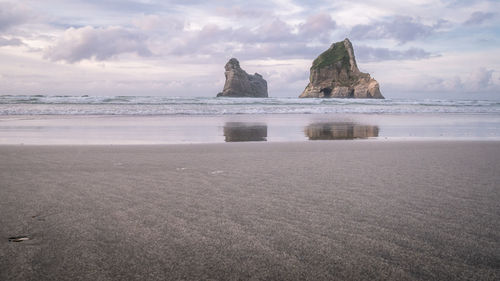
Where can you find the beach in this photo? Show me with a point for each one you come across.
(315, 210)
(249, 140)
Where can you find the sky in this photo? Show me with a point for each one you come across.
(413, 48)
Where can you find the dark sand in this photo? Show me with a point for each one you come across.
(345, 210)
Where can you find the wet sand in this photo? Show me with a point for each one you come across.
(174, 129)
(322, 210)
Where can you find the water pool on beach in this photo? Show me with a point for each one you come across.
(178, 129)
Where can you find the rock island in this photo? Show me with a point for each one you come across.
(335, 74)
(241, 84)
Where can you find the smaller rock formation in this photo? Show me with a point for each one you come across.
(241, 84)
(335, 74)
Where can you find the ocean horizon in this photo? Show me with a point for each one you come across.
(163, 105)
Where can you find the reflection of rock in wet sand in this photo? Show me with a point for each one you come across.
(236, 131)
(340, 131)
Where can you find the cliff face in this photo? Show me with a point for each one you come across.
(335, 74)
(241, 84)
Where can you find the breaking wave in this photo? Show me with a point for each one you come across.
(156, 105)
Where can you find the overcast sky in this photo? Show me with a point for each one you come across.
(414, 48)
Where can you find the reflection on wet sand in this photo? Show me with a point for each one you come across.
(239, 131)
(340, 131)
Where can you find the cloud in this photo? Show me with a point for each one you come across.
(275, 50)
(77, 44)
(124, 5)
(10, 42)
(401, 28)
(273, 38)
(481, 79)
(319, 25)
(370, 54)
(452, 84)
(478, 18)
(240, 12)
(12, 15)
(211, 39)
(287, 76)
(276, 30)
(278, 39)
(158, 23)
(192, 39)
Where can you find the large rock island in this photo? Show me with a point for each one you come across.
(335, 74)
(241, 84)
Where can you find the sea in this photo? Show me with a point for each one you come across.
(109, 120)
(157, 105)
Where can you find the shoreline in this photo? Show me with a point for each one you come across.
(105, 130)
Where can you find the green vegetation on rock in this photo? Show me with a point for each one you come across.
(336, 53)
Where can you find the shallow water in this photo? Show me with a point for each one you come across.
(170, 129)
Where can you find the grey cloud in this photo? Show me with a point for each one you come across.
(402, 28)
(12, 15)
(289, 76)
(277, 30)
(277, 51)
(273, 38)
(153, 6)
(369, 54)
(97, 43)
(463, 3)
(453, 84)
(243, 43)
(320, 25)
(212, 39)
(481, 78)
(478, 18)
(239, 12)
(10, 42)
(125, 5)
(156, 23)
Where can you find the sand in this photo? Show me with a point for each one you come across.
(345, 210)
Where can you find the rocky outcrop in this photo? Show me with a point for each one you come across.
(335, 74)
(241, 84)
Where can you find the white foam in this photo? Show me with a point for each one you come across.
(86, 105)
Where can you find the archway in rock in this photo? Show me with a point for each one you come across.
(327, 92)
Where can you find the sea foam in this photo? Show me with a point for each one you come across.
(157, 105)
